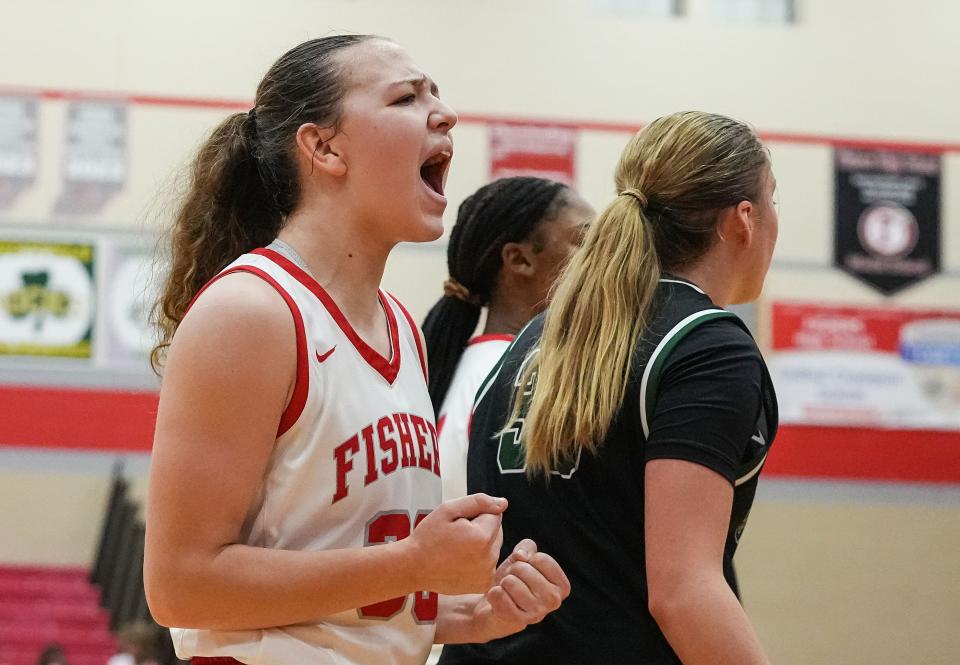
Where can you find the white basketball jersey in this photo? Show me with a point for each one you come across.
(453, 425)
(355, 464)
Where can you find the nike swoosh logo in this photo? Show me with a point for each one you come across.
(323, 356)
(758, 437)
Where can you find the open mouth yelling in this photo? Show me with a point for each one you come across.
(434, 171)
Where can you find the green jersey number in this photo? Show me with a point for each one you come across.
(510, 455)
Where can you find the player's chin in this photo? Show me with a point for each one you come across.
(428, 228)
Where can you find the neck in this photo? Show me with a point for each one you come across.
(347, 265)
(501, 322)
(714, 275)
(508, 312)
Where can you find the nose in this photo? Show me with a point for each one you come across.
(443, 116)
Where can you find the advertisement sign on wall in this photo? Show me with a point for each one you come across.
(867, 367)
(46, 299)
(129, 292)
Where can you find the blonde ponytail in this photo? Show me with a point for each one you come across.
(673, 179)
(590, 330)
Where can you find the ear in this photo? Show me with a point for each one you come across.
(737, 224)
(315, 148)
(517, 258)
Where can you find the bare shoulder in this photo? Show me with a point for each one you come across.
(240, 296)
(241, 303)
(239, 319)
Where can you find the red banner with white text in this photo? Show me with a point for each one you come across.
(866, 393)
(526, 149)
(868, 367)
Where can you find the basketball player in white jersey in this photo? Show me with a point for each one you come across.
(293, 509)
(511, 240)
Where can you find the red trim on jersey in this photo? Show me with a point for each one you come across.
(417, 337)
(388, 369)
(214, 660)
(440, 423)
(492, 337)
(302, 382)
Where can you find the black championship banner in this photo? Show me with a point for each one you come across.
(887, 228)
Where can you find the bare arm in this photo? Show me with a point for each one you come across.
(229, 375)
(687, 511)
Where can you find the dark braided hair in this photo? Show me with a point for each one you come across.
(506, 210)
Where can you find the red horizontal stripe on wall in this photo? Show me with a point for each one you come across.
(82, 419)
(77, 418)
(865, 454)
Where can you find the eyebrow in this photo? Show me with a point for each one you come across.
(419, 81)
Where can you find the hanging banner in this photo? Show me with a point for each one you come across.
(544, 151)
(95, 158)
(753, 11)
(46, 299)
(867, 367)
(18, 147)
(887, 227)
(639, 8)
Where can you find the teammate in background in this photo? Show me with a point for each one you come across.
(510, 241)
(628, 425)
(295, 427)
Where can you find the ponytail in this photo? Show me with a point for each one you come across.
(673, 179)
(597, 313)
(227, 212)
